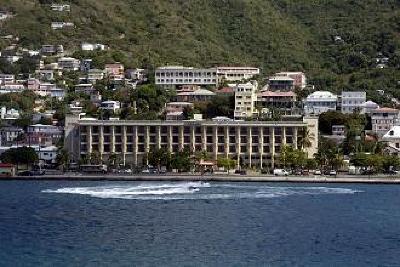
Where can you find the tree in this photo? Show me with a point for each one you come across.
(160, 157)
(20, 155)
(94, 158)
(113, 160)
(181, 160)
(226, 163)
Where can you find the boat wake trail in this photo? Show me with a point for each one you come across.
(196, 190)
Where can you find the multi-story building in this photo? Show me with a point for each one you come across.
(7, 78)
(251, 143)
(234, 74)
(352, 101)
(280, 83)
(111, 105)
(299, 78)
(382, 119)
(60, 7)
(283, 101)
(320, 102)
(245, 99)
(69, 63)
(115, 70)
(44, 134)
(9, 134)
(200, 95)
(173, 76)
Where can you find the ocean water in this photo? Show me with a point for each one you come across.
(58, 223)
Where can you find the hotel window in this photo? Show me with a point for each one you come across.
(221, 139)
(106, 148)
(140, 148)
(118, 148)
(254, 149)
(152, 139)
(118, 139)
(221, 149)
(243, 149)
(175, 139)
(209, 139)
(243, 139)
(198, 139)
(95, 129)
(186, 139)
(232, 139)
(129, 148)
(129, 139)
(164, 139)
(140, 139)
(232, 149)
(106, 139)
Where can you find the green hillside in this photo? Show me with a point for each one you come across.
(271, 34)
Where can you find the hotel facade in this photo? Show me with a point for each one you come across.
(252, 143)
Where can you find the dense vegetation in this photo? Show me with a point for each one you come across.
(274, 35)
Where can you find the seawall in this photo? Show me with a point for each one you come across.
(217, 178)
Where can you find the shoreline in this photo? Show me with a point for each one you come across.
(378, 179)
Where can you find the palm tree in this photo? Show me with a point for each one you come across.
(63, 159)
(306, 139)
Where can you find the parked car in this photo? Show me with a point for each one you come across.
(31, 173)
(281, 172)
(317, 172)
(333, 173)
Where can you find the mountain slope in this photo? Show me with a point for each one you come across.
(271, 34)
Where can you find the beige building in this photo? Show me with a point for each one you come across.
(245, 99)
(251, 143)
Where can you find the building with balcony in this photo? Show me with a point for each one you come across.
(171, 76)
(69, 63)
(251, 143)
(236, 74)
(383, 119)
(245, 100)
(352, 101)
(284, 101)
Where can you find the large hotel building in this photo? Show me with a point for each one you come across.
(252, 143)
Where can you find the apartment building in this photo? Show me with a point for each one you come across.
(299, 78)
(69, 63)
(235, 74)
(245, 99)
(251, 143)
(352, 101)
(383, 119)
(173, 76)
(283, 101)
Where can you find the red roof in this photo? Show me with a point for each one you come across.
(6, 165)
(226, 90)
(385, 110)
(277, 93)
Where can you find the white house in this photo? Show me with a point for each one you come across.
(392, 137)
(9, 114)
(111, 105)
(245, 99)
(60, 7)
(319, 102)
(352, 101)
(92, 47)
(61, 25)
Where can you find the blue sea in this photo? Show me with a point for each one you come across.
(60, 223)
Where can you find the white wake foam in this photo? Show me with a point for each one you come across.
(196, 190)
